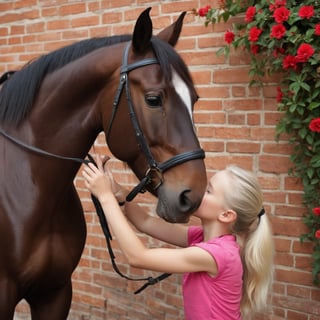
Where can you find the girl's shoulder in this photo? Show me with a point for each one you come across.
(195, 235)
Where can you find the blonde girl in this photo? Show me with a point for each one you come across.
(226, 261)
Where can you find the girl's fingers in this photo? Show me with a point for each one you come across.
(89, 168)
(104, 161)
(99, 162)
(86, 176)
(90, 172)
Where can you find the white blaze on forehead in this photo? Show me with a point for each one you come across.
(183, 91)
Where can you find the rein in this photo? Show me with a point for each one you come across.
(155, 170)
(99, 210)
(108, 236)
(41, 151)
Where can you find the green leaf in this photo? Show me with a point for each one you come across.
(313, 105)
(305, 86)
(309, 34)
(303, 132)
(295, 87)
(315, 161)
(293, 108)
(310, 172)
(314, 181)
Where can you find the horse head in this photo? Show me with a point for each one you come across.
(154, 103)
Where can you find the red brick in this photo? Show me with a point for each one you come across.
(274, 164)
(243, 147)
(84, 21)
(231, 76)
(72, 9)
(58, 24)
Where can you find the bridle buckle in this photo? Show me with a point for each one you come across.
(155, 177)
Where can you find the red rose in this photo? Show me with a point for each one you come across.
(304, 52)
(316, 211)
(250, 13)
(317, 29)
(277, 4)
(229, 36)
(306, 12)
(289, 62)
(317, 234)
(202, 12)
(281, 14)
(255, 49)
(314, 126)
(254, 33)
(279, 94)
(278, 31)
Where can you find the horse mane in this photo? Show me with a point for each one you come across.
(19, 91)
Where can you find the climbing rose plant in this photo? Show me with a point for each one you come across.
(283, 37)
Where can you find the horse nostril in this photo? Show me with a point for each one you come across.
(185, 203)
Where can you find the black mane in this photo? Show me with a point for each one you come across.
(18, 93)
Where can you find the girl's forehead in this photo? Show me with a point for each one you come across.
(220, 179)
(221, 175)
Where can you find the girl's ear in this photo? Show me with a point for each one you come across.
(228, 216)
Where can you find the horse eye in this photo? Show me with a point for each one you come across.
(153, 100)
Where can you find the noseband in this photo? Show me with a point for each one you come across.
(154, 173)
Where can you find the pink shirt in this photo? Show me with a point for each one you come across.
(207, 297)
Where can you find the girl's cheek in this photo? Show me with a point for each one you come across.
(203, 200)
(204, 203)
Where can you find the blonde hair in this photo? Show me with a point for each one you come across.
(255, 233)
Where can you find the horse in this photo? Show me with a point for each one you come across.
(51, 112)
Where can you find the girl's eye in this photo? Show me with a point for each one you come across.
(154, 101)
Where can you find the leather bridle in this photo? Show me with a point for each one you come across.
(154, 173)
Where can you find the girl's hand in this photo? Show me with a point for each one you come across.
(98, 179)
(119, 192)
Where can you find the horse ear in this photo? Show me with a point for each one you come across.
(142, 32)
(171, 34)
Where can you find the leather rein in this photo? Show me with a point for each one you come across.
(155, 169)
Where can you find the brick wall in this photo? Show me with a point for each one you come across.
(235, 123)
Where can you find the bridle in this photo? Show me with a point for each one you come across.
(154, 174)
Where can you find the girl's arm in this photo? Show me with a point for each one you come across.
(175, 234)
(189, 259)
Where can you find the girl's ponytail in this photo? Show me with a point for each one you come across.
(253, 230)
(257, 256)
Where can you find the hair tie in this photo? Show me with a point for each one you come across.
(261, 213)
